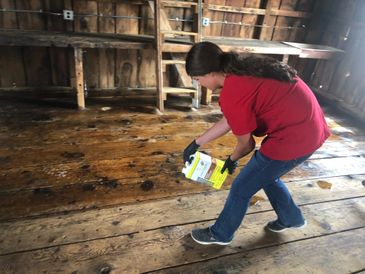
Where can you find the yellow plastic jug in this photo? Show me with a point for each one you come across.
(205, 169)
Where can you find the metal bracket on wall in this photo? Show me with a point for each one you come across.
(68, 15)
(205, 21)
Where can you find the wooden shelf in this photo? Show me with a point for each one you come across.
(176, 32)
(315, 51)
(11, 37)
(178, 90)
(173, 62)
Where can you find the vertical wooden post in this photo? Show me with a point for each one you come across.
(159, 73)
(199, 17)
(165, 25)
(69, 27)
(285, 58)
(250, 19)
(269, 20)
(198, 38)
(79, 73)
(206, 96)
(204, 14)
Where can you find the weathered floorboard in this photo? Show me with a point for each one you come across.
(171, 246)
(149, 215)
(81, 170)
(112, 189)
(339, 253)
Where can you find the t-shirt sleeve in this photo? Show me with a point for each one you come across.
(238, 109)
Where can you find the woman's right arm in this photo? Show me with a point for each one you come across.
(216, 131)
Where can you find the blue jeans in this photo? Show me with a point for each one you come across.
(260, 172)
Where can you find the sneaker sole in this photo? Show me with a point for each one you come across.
(292, 228)
(209, 243)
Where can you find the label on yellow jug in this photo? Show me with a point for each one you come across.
(205, 169)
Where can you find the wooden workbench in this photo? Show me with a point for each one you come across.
(77, 41)
(80, 41)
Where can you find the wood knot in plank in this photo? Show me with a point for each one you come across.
(158, 152)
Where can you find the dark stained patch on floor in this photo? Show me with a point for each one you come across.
(88, 187)
(72, 155)
(147, 185)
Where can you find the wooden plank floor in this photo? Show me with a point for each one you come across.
(100, 191)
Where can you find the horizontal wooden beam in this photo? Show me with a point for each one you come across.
(173, 62)
(274, 12)
(178, 4)
(291, 13)
(177, 32)
(133, 2)
(173, 47)
(234, 9)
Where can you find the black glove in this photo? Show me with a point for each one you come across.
(190, 150)
(230, 165)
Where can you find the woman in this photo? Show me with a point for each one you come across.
(260, 97)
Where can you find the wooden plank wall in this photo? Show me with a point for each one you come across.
(343, 81)
(287, 20)
(105, 68)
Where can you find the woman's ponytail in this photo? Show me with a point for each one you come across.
(206, 57)
(229, 62)
(257, 66)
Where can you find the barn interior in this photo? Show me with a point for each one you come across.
(96, 110)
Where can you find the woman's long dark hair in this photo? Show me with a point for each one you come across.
(206, 57)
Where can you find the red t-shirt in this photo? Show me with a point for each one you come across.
(287, 113)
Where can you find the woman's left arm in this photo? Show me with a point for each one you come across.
(245, 144)
(219, 129)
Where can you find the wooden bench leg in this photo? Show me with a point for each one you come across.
(79, 74)
(206, 96)
(196, 98)
(285, 58)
